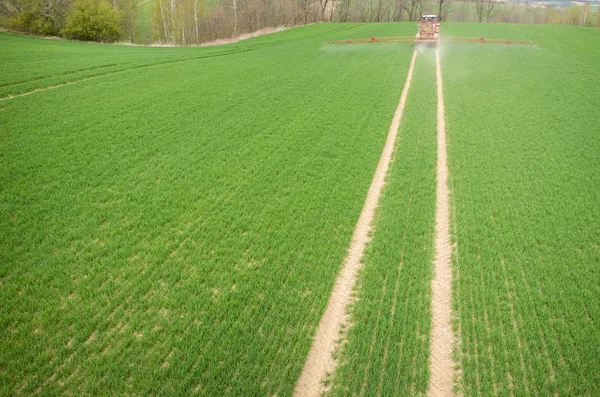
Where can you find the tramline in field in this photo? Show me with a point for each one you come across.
(215, 209)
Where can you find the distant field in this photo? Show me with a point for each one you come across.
(172, 220)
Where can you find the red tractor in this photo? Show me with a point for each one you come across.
(429, 29)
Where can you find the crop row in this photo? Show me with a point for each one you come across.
(179, 228)
(386, 348)
(524, 163)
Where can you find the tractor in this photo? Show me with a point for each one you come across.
(429, 29)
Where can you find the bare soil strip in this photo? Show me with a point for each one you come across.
(441, 366)
(320, 360)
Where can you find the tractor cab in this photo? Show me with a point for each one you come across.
(429, 29)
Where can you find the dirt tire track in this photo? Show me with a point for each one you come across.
(441, 365)
(320, 360)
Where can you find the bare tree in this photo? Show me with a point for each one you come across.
(323, 7)
(344, 10)
(398, 10)
(485, 8)
(332, 5)
(480, 9)
(489, 9)
(383, 11)
(583, 15)
(413, 7)
(198, 9)
(9, 8)
(161, 18)
(443, 6)
(235, 17)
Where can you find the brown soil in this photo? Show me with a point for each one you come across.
(320, 360)
(440, 362)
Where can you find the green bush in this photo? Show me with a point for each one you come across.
(37, 16)
(93, 20)
(32, 21)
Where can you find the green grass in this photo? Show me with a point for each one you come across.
(524, 156)
(31, 63)
(175, 223)
(387, 348)
(179, 227)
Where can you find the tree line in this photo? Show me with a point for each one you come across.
(197, 21)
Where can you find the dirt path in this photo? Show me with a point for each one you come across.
(320, 360)
(441, 366)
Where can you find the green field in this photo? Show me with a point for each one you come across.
(388, 345)
(524, 157)
(179, 227)
(172, 220)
